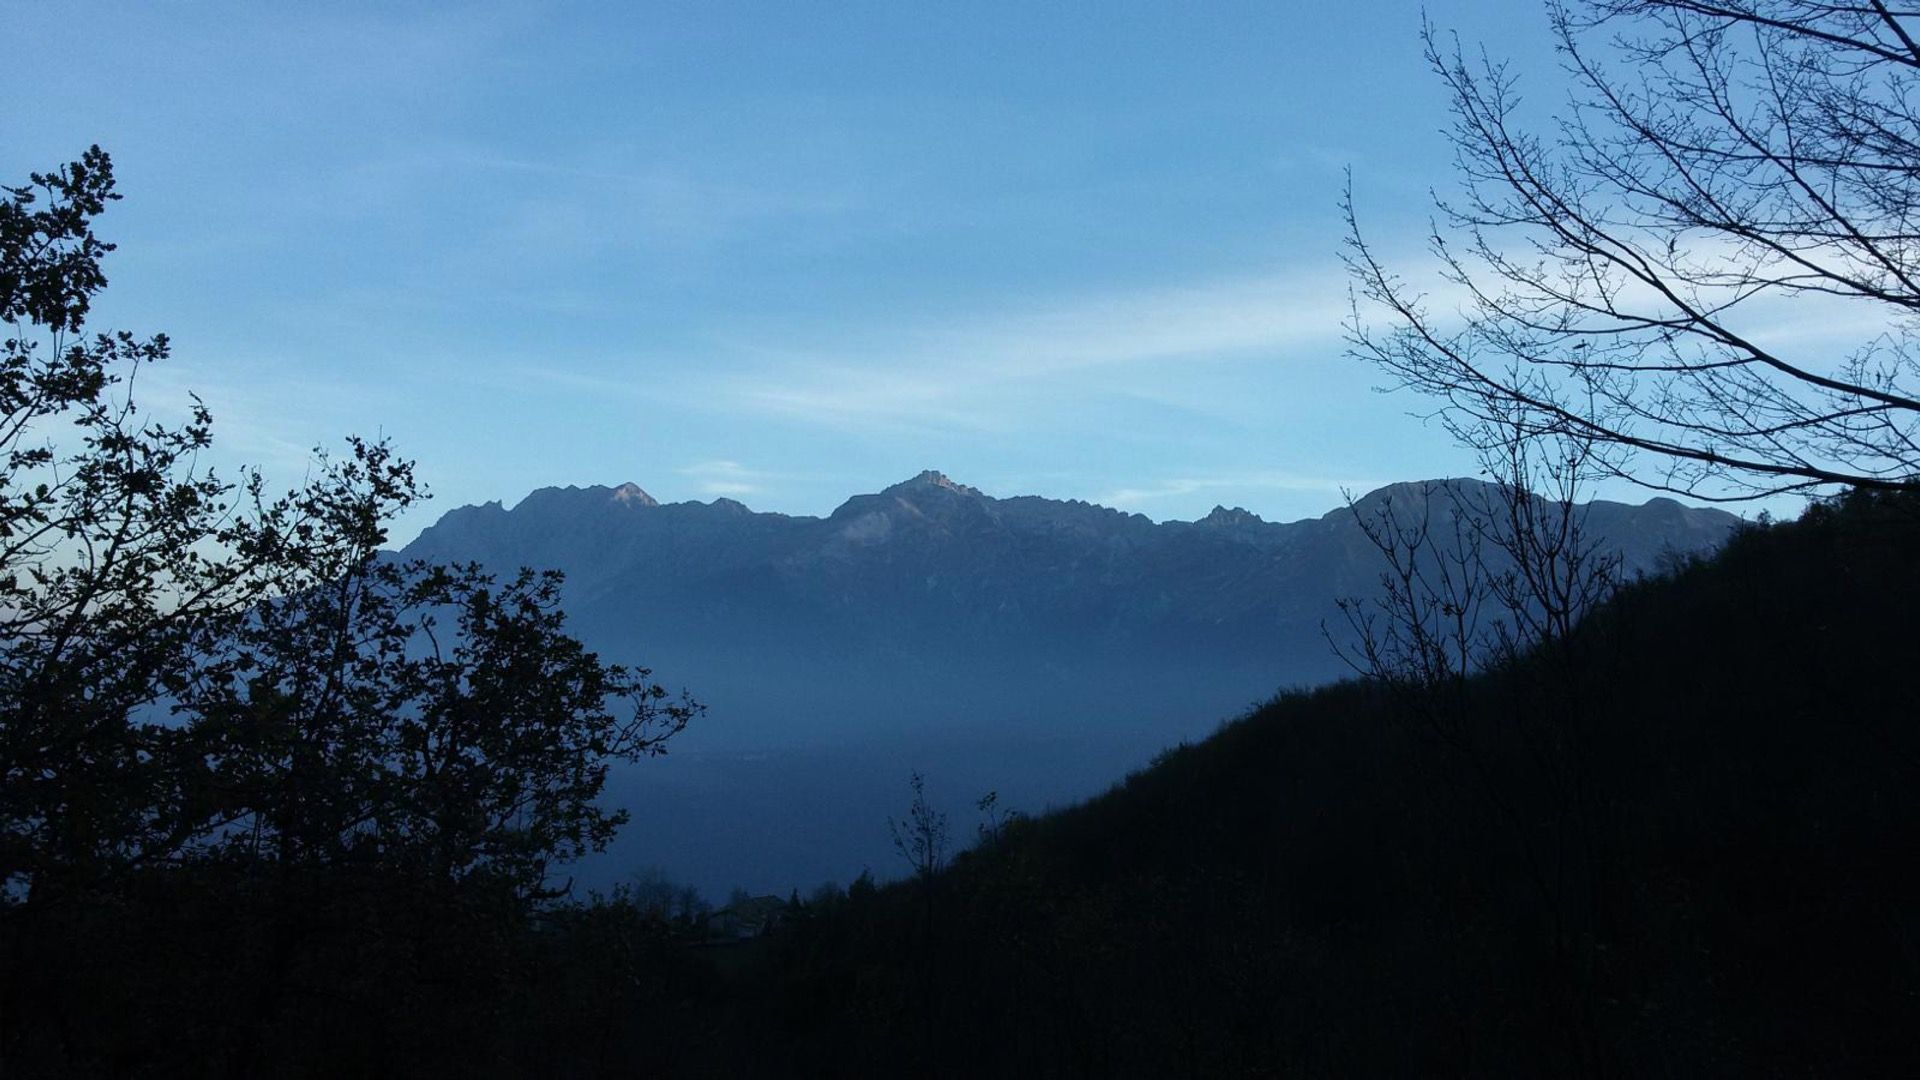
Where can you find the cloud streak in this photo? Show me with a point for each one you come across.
(1145, 496)
(959, 374)
(729, 478)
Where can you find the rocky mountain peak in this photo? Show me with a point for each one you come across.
(933, 478)
(1222, 518)
(633, 494)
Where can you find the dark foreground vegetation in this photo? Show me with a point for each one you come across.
(1681, 845)
(1684, 848)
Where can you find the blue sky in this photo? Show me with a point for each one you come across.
(780, 252)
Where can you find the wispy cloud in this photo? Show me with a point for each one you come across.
(1145, 496)
(648, 199)
(959, 374)
(252, 426)
(1821, 326)
(726, 478)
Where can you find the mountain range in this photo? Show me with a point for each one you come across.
(1033, 646)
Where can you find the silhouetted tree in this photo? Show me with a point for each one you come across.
(1508, 570)
(238, 737)
(994, 820)
(921, 836)
(424, 717)
(921, 839)
(1624, 276)
(653, 892)
(1502, 583)
(122, 559)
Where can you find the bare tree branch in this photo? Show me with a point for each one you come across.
(1624, 277)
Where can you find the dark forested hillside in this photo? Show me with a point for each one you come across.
(1685, 851)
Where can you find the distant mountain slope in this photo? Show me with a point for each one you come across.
(932, 578)
(1031, 646)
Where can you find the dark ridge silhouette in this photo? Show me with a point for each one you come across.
(1689, 854)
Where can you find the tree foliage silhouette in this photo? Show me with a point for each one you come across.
(121, 559)
(187, 661)
(921, 836)
(239, 738)
(431, 718)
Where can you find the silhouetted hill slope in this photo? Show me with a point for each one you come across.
(1684, 845)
